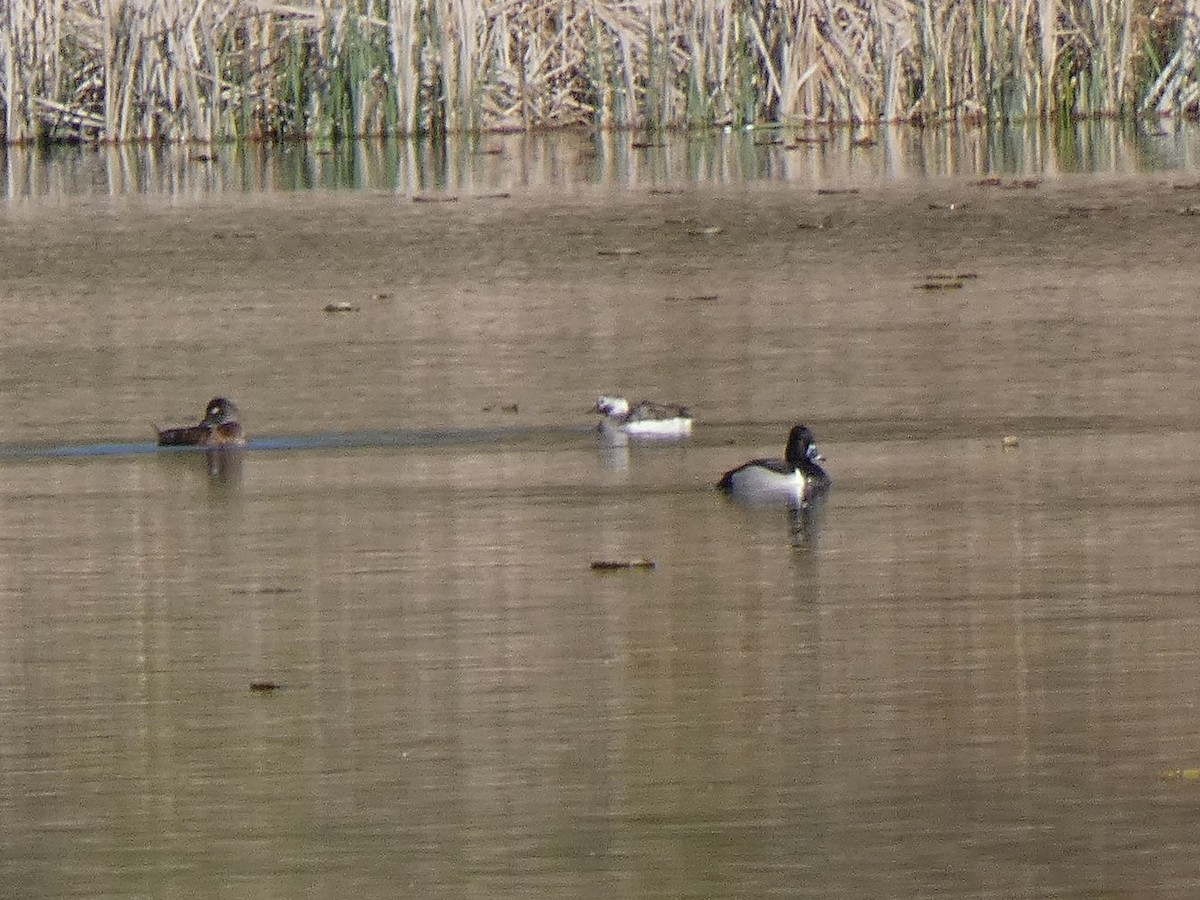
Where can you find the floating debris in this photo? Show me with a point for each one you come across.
(490, 151)
(646, 145)
(497, 195)
(619, 251)
(693, 298)
(383, 295)
(704, 232)
(833, 191)
(864, 142)
(608, 565)
(1187, 186)
(939, 285)
(513, 408)
(1190, 211)
(1009, 442)
(826, 222)
(441, 198)
(340, 307)
(949, 207)
(666, 190)
(1181, 775)
(264, 687)
(947, 276)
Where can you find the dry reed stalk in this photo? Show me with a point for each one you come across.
(205, 70)
(1176, 89)
(1047, 19)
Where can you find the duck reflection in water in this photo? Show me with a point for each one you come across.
(225, 465)
(805, 522)
(797, 482)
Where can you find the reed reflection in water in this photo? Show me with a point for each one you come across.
(471, 165)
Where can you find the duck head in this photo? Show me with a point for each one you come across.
(220, 411)
(802, 448)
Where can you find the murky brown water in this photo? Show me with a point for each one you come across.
(970, 687)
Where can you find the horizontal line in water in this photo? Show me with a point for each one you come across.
(438, 437)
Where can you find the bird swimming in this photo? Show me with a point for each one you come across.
(645, 418)
(797, 479)
(219, 428)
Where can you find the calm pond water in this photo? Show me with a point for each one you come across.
(976, 675)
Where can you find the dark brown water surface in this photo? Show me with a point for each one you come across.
(977, 678)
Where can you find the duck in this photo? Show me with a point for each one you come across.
(797, 479)
(218, 428)
(645, 418)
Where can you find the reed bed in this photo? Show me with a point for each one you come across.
(214, 70)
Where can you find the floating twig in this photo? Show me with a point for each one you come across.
(826, 222)
(1181, 775)
(613, 565)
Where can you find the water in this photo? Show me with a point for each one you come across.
(974, 676)
(572, 160)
